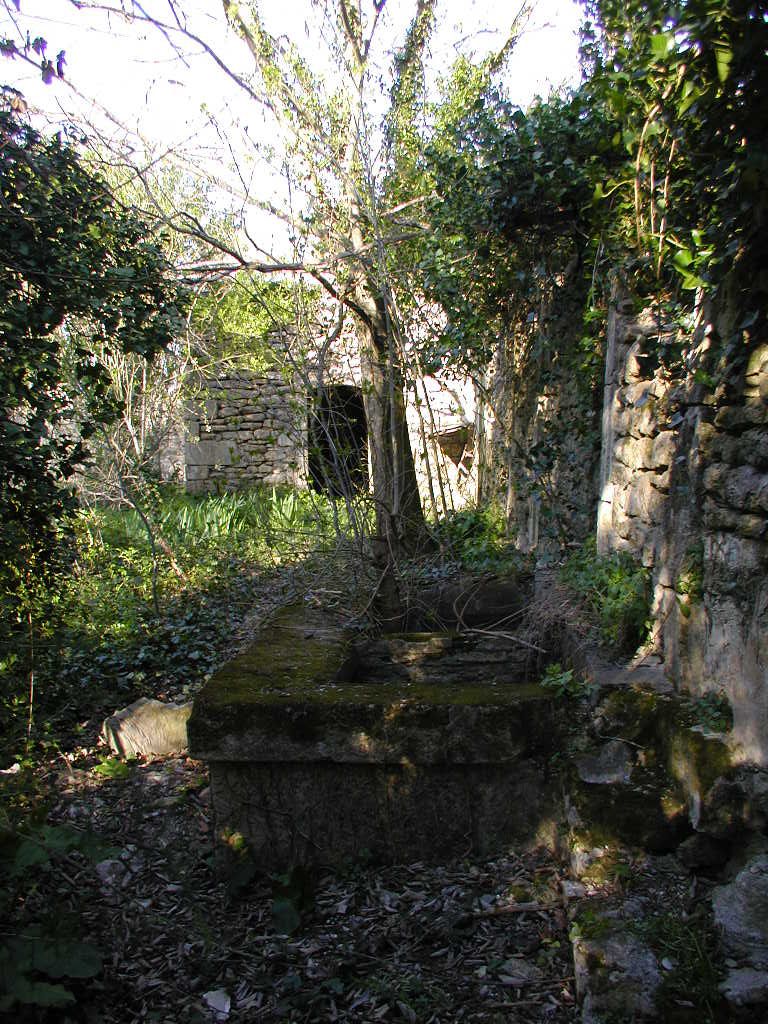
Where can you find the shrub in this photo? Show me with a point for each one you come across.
(476, 538)
(617, 592)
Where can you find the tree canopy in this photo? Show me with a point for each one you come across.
(78, 273)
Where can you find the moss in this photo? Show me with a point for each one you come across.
(649, 812)
(299, 685)
(296, 663)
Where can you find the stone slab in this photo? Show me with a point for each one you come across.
(148, 728)
(296, 696)
(313, 763)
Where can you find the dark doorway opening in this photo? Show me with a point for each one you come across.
(338, 441)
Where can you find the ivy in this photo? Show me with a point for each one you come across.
(78, 273)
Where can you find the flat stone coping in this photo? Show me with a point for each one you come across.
(299, 694)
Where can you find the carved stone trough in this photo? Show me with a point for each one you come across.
(412, 747)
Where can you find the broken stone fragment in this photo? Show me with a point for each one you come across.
(745, 987)
(612, 764)
(616, 973)
(741, 913)
(701, 851)
(148, 728)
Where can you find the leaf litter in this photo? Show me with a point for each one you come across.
(414, 942)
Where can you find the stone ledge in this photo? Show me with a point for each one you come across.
(300, 695)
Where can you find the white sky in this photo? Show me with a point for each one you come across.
(168, 99)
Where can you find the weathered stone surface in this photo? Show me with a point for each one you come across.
(297, 696)
(616, 974)
(737, 418)
(148, 728)
(207, 453)
(741, 912)
(612, 764)
(326, 813)
(701, 852)
(746, 986)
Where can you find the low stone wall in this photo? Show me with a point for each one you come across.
(249, 430)
(684, 485)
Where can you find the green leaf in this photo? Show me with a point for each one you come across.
(682, 259)
(286, 918)
(723, 58)
(62, 958)
(662, 44)
(35, 993)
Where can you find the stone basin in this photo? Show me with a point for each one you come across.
(323, 750)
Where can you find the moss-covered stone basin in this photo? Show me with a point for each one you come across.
(320, 753)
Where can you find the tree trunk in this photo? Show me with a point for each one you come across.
(400, 526)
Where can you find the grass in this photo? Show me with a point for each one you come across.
(133, 614)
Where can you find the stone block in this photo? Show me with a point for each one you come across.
(747, 489)
(645, 501)
(311, 761)
(208, 453)
(148, 728)
(717, 518)
(741, 913)
(738, 418)
(617, 975)
(634, 452)
(664, 449)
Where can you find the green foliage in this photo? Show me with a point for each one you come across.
(513, 200)
(98, 638)
(38, 847)
(564, 683)
(617, 592)
(31, 958)
(685, 84)
(77, 272)
(713, 711)
(235, 318)
(476, 538)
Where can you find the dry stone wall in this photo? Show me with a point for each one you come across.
(251, 429)
(684, 485)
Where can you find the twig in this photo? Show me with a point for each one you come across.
(507, 636)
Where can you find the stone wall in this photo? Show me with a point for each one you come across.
(684, 485)
(251, 429)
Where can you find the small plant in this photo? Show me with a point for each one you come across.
(113, 768)
(476, 537)
(617, 592)
(713, 711)
(292, 898)
(564, 683)
(689, 589)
